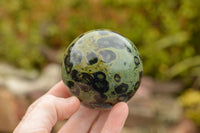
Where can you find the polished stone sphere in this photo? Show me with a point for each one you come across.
(102, 68)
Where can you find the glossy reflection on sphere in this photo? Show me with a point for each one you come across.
(102, 68)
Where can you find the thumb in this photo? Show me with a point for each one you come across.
(42, 115)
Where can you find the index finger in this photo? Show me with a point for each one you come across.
(59, 90)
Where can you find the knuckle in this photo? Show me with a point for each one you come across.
(47, 100)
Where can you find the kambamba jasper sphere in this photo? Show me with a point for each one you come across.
(102, 68)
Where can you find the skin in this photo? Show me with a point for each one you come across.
(57, 105)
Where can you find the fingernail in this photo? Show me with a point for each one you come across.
(71, 99)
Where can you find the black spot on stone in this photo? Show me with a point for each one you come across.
(104, 96)
(117, 77)
(74, 75)
(99, 76)
(85, 78)
(100, 86)
(111, 41)
(76, 57)
(122, 98)
(137, 85)
(67, 60)
(68, 65)
(82, 77)
(107, 55)
(70, 84)
(70, 48)
(102, 32)
(136, 60)
(92, 58)
(68, 68)
(128, 49)
(122, 88)
(81, 35)
(113, 93)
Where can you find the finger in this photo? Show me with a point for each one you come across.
(116, 119)
(59, 90)
(98, 125)
(45, 112)
(81, 121)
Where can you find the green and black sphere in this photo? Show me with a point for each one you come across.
(102, 68)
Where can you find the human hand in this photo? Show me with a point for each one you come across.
(57, 105)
